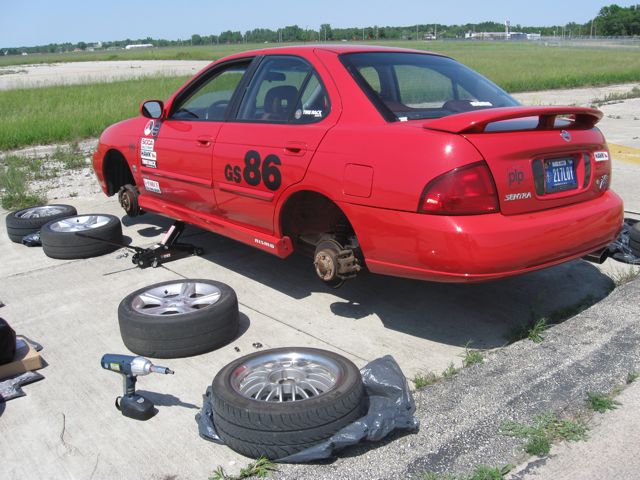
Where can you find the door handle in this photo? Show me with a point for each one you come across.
(295, 148)
(204, 141)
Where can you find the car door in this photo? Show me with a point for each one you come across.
(176, 154)
(279, 124)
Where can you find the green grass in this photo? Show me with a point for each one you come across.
(632, 377)
(421, 380)
(601, 402)
(514, 66)
(261, 468)
(546, 429)
(15, 174)
(64, 113)
(480, 473)
(209, 52)
(471, 357)
(620, 277)
(450, 371)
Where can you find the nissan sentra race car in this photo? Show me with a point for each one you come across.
(404, 162)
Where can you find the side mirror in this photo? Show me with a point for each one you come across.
(152, 109)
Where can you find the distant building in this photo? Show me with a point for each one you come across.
(499, 36)
(139, 45)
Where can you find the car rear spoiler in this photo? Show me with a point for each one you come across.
(477, 121)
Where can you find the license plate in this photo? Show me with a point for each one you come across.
(559, 175)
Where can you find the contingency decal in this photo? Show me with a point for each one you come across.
(515, 175)
(152, 128)
(313, 113)
(601, 156)
(149, 128)
(477, 103)
(148, 153)
(152, 186)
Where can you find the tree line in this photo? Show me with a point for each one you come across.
(612, 20)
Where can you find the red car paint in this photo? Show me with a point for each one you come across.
(234, 177)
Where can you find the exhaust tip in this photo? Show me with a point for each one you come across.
(599, 256)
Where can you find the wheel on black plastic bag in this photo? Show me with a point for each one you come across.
(278, 402)
(60, 239)
(179, 318)
(30, 220)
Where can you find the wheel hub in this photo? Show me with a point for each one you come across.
(285, 377)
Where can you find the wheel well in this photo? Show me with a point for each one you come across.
(116, 172)
(307, 216)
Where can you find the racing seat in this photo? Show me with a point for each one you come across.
(278, 102)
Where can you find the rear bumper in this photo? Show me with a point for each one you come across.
(482, 247)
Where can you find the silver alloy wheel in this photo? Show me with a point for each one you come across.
(79, 223)
(176, 298)
(40, 212)
(288, 376)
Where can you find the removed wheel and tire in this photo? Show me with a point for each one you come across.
(59, 239)
(179, 318)
(279, 402)
(30, 220)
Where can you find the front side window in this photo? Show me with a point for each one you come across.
(284, 90)
(408, 86)
(209, 100)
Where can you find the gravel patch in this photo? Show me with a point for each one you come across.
(460, 418)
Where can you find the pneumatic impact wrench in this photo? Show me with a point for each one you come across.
(131, 404)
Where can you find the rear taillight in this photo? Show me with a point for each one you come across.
(467, 190)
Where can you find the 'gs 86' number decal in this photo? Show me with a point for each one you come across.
(256, 171)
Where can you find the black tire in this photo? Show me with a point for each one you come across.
(634, 239)
(7, 342)
(173, 334)
(30, 220)
(58, 241)
(276, 430)
(634, 233)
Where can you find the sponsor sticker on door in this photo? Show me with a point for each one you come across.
(152, 186)
(147, 153)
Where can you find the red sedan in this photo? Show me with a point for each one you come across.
(402, 161)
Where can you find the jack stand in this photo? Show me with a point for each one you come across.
(168, 249)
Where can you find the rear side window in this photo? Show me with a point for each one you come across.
(284, 89)
(407, 86)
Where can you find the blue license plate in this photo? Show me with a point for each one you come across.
(559, 175)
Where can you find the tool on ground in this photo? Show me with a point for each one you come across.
(131, 404)
(167, 250)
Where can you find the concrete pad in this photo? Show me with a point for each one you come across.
(573, 96)
(68, 421)
(42, 75)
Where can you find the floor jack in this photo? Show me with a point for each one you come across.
(167, 250)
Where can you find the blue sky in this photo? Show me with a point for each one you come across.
(37, 22)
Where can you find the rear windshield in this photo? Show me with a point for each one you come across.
(410, 86)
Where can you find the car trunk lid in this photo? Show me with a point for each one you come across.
(540, 157)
